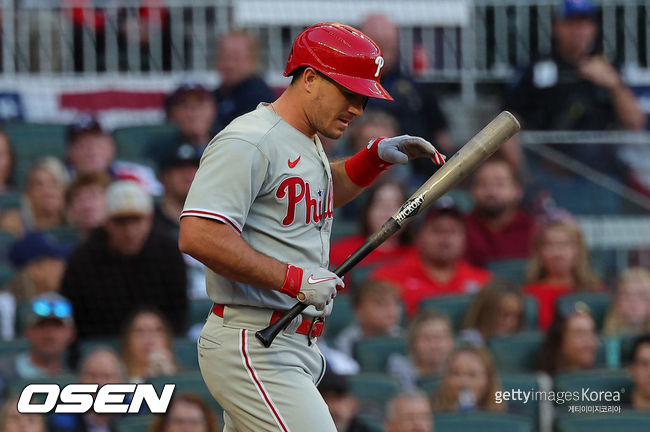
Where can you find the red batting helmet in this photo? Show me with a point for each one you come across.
(343, 54)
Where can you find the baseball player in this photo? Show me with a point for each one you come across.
(259, 216)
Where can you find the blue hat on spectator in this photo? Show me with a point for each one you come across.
(184, 154)
(82, 124)
(33, 246)
(569, 9)
(445, 205)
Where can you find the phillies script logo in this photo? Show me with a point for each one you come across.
(296, 190)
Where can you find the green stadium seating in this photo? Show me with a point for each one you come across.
(341, 317)
(372, 423)
(481, 422)
(598, 304)
(429, 384)
(510, 269)
(17, 386)
(531, 316)
(359, 274)
(66, 236)
(88, 345)
(133, 141)
(454, 306)
(518, 352)
(198, 311)
(373, 389)
(13, 346)
(524, 382)
(186, 354)
(10, 200)
(133, 423)
(187, 382)
(6, 273)
(6, 240)
(599, 379)
(627, 421)
(372, 353)
(343, 228)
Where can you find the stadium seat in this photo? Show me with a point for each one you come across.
(187, 382)
(481, 422)
(454, 306)
(373, 389)
(518, 352)
(133, 423)
(15, 346)
(372, 423)
(132, 142)
(67, 236)
(628, 421)
(343, 228)
(429, 384)
(524, 382)
(598, 304)
(6, 240)
(372, 353)
(35, 140)
(359, 274)
(6, 273)
(531, 315)
(341, 317)
(17, 386)
(9, 200)
(88, 345)
(198, 311)
(186, 354)
(599, 379)
(510, 269)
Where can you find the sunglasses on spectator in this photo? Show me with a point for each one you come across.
(48, 308)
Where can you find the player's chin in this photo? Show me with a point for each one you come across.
(335, 131)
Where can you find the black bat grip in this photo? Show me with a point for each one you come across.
(266, 336)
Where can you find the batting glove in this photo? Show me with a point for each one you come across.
(404, 148)
(315, 287)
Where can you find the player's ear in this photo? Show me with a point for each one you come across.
(310, 79)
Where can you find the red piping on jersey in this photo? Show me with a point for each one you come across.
(211, 215)
(267, 398)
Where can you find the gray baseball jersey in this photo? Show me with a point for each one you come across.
(272, 185)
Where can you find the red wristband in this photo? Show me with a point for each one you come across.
(292, 281)
(364, 167)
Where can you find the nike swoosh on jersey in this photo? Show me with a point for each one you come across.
(312, 281)
(294, 163)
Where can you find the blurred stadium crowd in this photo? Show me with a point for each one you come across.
(494, 290)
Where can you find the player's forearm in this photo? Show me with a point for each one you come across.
(219, 248)
(627, 108)
(345, 190)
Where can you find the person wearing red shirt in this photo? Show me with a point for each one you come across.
(496, 228)
(384, 200)
(436, 268)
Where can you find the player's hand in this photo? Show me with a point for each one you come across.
(404, 148)
(315, 287)
(601, 72)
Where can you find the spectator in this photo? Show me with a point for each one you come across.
(50, 330)
(559, 265)
(571, 341)
(576, 88)
(408, 412)
(13, 421)
(343, 406)
(436, 268)
(43, 203)
(86, 202)
(125, 265)
(6, 164)
(497, 310)
(496, 228)
(430, 341)
(101, 366)
(192, 109)
(40, 262)
(469, 383)
(629, 312)
(147, 342)
(383, 200)
(415, 107)
(186, 413)
(377, 313)
(639, 370)
(241, 89)
(92, 150)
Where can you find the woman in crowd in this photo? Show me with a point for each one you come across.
(384, 199)
(13, 421)
(43, 203)
(468, 384)
(430, 341)
(86, 202)
(186, 413)
(629, 311)
(571, 341)
(497, 310)
(147, 346)
(559, 265)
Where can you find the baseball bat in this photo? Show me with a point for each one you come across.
(472, 154)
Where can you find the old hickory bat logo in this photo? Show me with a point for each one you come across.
(312, 280)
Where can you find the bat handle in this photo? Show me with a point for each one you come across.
(267, 335)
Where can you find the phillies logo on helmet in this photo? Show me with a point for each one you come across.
(379, 61)
(297, 190)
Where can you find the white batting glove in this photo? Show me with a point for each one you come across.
(315, 287)
(404, 148)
